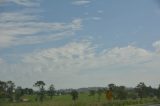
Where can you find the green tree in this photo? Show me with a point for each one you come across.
(111, 86)
(28, 91)
(51, 91)
(92, 93)
(150, 92)
(132, 95)
(10, 87)
(74, 95)
(121, 92)
(158, 92)
(2, 89)
(18, 93)
(41, 93)
(141, 90)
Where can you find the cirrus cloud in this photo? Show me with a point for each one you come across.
(81, 2)
(17, 28)
(27, 3)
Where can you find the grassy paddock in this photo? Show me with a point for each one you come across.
(84, 100)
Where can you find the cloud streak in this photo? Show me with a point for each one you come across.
(21, 27)
(26, 3)
(25, 28)
(81, 2)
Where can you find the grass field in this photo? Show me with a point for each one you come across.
(83, 100)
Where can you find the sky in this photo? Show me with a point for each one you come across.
(80, 43)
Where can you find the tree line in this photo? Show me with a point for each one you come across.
(12, 93)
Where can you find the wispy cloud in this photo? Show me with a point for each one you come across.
(17, 27)
(100, 11)
(80, 2)
(25, 27)
(27, 3)
(94, 18)
(16, 17)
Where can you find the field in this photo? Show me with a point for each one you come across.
(83, 100)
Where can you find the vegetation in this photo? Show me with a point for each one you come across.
(121, 95)
(74, 95)
(18, 93)
(100, 92)
(41, 93)
(92, 93)
(51, 91)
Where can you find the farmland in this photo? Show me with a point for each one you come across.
(83, 100)
(112, 95)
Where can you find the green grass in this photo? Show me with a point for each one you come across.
(83, 100)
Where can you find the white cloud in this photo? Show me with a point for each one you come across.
(127, 55)
(81, 2)
(96, 18)
(24, 28)
(81, 62)
(71, 56)
(16, 17)
(157, 46)
(27, 3)
(77, 55)
(100, 11)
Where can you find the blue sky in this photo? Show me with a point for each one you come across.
(80, 43)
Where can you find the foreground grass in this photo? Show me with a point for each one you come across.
(84, 100)
(51, 103)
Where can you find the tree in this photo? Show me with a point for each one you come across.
(150, 92)
(2, 88)
(51, 91)
(118, 92)
(141, 90)
(74, 95)
(158, 92)
(41, 93)
(111, 86)
(10, 87)
(99, 92)
(92, 93)
(121, 92)
(18, 93)
(111, 91)
(132, 94)
(28, 91)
